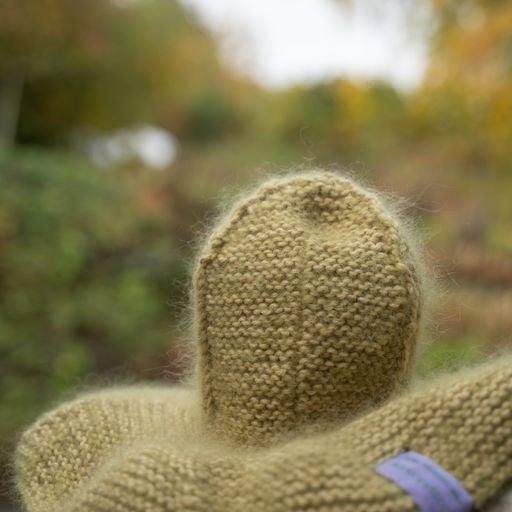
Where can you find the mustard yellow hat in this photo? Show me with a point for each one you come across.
(308, 301)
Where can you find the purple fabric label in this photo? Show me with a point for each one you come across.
(431, 487)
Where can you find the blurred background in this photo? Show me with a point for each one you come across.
(124, 123)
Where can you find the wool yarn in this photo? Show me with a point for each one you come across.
(308, 302)
(71, 448)
(137, 450)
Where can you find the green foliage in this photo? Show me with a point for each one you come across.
(86, 275)
(210, 116)
(449, 355)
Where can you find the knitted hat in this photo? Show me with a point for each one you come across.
(308, 304)
(345, 312)
(138, 450)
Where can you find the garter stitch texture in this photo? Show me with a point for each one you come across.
(309, 317)
(138, 450)
(308, 304)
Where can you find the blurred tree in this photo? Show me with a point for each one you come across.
(468, 87)
(473, 43)
(99, 65)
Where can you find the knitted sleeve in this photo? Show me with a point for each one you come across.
(138, 451)
(68, 451)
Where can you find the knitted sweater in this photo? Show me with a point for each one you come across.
(141, 449)
(308, 302)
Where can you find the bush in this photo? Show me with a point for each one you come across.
(87, 271)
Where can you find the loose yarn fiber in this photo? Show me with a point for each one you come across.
(308, 305)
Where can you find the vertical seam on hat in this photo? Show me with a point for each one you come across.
(219, 236)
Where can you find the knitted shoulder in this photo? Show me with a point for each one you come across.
(65, 446)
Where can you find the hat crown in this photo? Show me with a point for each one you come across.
(308, 304)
